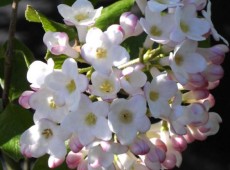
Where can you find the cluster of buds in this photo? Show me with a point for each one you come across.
(119, 113)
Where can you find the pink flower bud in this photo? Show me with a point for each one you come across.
(25, 150)
(115, 33)
(194, 95)
(83, 165)
(156, 155)
(73, 159)
(217, 53)
(24, 99)
(58, 43)
(212, 126)
(160, 144)
(189, 137)
(196, 133)
(130, 24)
(197, 81)
(197, 114)
(179, 143)
(213, 72)
(139, 147)
(170, 161)
(54, 162)
(75, 144)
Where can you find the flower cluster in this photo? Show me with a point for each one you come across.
(119, 113)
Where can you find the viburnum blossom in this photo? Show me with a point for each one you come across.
(81, 14)
(133, 95)
(44, 137)
(67, 84)
(101, 51)
(127, 117)
(89, 121)
(58, 43)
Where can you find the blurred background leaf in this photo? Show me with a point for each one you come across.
(14, 120)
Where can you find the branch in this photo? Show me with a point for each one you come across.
(9, 54)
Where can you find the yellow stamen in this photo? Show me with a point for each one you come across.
(71, 86)
(126, 116)
(90, 119)
(154, 96)
(47, 133)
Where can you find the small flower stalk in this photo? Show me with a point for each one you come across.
(120, 112)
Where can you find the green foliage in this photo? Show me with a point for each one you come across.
(111, 14)
(5, 2)
(14, 120)
(48, 25)
(22, 58)
(41, 164)
(133, 44)
(58, 60)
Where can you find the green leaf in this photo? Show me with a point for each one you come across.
(21, 60)
(205, 44)
(48, 25)
(19, 82)
(111, 14)
(58, 59)
(133, 48)
(42, 164)
(5, 2)
(14, 120)
(28, 55)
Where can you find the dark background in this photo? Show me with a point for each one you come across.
(211, 154)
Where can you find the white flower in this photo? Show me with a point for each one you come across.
(89, 121)
(188, 25)
(101, 51)
(99, 158)
(67, 84)
(44, 137)
(185, 61)
(158, 93)
(207, 15)
(132, 80)
(104, 86)
(157, 26)
(43, 102)
(160, 5)
(127, 117)
(38, 71)
(58, 43)
(211, 127)
(81, 14)
(129, 161)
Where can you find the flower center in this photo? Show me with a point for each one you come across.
(179, 60)
(106, 86)
(47, 133)
(184, 27)
(71, 86)
(154, 96)
(51, 103)
(126, 116)
(90, 119)
(80, 17)
(155, 31)
(101, 53)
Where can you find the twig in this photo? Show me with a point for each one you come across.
(9, 54)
